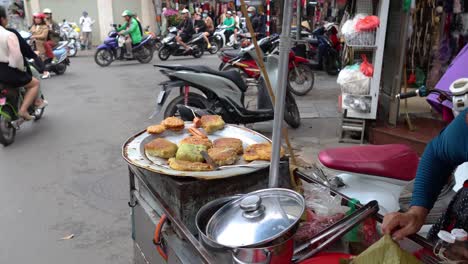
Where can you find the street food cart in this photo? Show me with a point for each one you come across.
(168, 207)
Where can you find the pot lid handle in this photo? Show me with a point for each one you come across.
(252, 206)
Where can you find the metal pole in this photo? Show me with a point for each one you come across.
(298, 20)
(280, 93)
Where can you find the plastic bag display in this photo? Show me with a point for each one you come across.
(367, 23)
(366, 67)
(353, 81)
(322, 210)
(356, 37)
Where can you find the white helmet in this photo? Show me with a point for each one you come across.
(47, 11)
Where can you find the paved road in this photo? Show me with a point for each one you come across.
(65, 175)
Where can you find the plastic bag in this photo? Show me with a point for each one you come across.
(353, 81)
(367, 23)
(366, 67)
(322, 210)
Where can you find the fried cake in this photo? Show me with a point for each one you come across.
(182, 165)
(260, 151)
(212, 123)
(156, 129)
(190, 152)
(233, 143)
(197, 141)
(173, 123)
(161, 148)
(223, 156)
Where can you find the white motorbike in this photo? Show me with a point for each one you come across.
(69, 33)
(220, 38)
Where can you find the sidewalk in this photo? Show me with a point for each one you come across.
(319, 120)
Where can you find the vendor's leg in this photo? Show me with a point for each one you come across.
(32, 89)
(90, 40)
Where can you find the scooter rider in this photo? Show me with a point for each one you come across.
(230, 24)
(185, 30)
(257, 23)
(209, 28)
(131, 30)
(441, 157)
(13, 72)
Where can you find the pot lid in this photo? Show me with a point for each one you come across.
(256, 218)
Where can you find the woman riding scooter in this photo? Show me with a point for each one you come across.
(40, 33)
(13, 72)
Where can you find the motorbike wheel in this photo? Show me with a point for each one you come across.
(38, 113)
(292, 115)
(194, 100)
(103, 57)
(60, 69)
(198, 51)
(145, 55)
(214, 47)
(303, 84)
(7, 132)
(164, 53)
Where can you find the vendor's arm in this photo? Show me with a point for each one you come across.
(441, 157)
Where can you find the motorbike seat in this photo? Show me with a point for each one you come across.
(394, 161)
(232, 53)
(233, 75)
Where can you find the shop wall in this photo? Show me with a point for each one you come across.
(118, 6)
(64, 10)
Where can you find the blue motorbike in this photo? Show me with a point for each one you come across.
(113, 48)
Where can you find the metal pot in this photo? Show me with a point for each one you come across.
(258, 227)
(204, 215)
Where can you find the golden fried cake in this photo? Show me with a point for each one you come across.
(182, 165)
(161, 148)
(190, 152)
(212, 123)
(260, 151)
(173, 123)
(223, 156)
(233, 143)
(197, 141)
(156, 129)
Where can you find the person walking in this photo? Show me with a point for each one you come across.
(86, 24)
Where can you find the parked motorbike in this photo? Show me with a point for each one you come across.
(113, 49)
(320, 49)
(11, 99)
(221, 93)
(171, 47)
(300, 77)
(60, 62)
(70, 32)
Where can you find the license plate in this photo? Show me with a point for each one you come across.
(161, 97)
(3, 101)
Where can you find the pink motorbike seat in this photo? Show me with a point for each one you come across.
(394, 161)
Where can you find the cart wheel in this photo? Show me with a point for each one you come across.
(157, 240)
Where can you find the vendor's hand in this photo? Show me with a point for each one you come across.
(400, 225)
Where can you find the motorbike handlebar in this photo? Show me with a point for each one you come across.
(408, 94)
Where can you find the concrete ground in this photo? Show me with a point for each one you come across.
(65, 175)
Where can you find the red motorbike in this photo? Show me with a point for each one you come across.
(300, 78)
